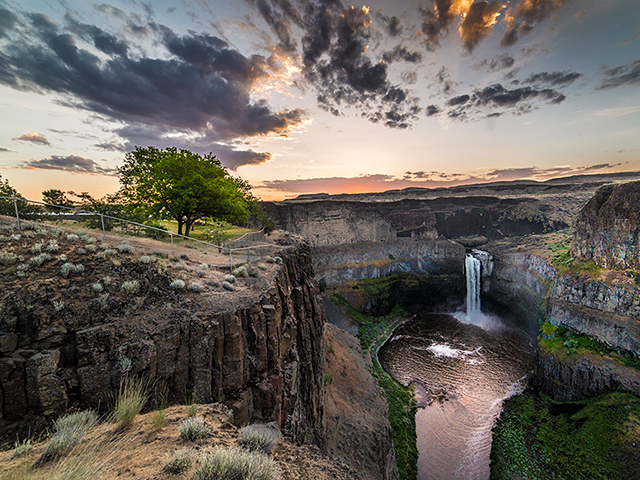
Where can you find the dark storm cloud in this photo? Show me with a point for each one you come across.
(554, 78)
(203, 85)
(478, 23)
(103, 41)
(437, 21)
(524, 17)
(402, 53)
(519, 100)
(628, 74)
(392, 25)
(502, 61)
(279, 15)
(2, 149)
(8, 20)
(70, 164)
(432, 110)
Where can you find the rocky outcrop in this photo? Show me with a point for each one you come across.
(358, 261)
(358, 431)
(325, 222)
(566, 378)
(607, 312)
(607, 229)
(264, 358)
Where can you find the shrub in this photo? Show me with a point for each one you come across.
(92, 240)
(91, 248)
(144, 260)
(184, 256)
(177, 285)
(180, 461)
(109, 252)
(62, 258)
(81, 251)
(160, 253)
(259, 437)
(72, 237)
(227, 286)
(131, 286)
(68, 431)
(58, 305)
(53, 246)
(97, 287)
(204, 266)
(103, 301)
(196, 287)
(40, 259)
(261, 266)
(36, 248)
(69, 268)
(269, 259)
(229, 278)
(241, 272)
(125, 248)
(193, 428)
(21, 448)
(129, 402)
(8, 258)
(201, 272)
(228, 463)
(104, 246)
(278, 260)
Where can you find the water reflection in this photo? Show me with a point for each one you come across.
(461, 373)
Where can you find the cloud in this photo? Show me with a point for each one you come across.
(197, 83)
(8, 20)
(393, 25)
(524, 17)
(402, 53)
(554, 78)
(70, 164)
(502, 61)
(422, 179)
(2, 149)
(628, 74)
(34, 137)
(478, 23)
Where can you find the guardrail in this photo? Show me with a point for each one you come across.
(163, 231)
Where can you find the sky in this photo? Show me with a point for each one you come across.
(320, 96)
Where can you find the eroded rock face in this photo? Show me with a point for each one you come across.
(566, 378)
(264, 359)
(608, 227)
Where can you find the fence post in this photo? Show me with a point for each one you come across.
(104, 235)
(15, 204)
(172, 254)
(248, 255)
(230, 262)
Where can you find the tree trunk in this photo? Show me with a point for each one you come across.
(179, 226)
(187, 227)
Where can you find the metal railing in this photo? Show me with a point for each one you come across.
(102, 216)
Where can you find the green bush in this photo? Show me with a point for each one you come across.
(68, 432)
(180, 461)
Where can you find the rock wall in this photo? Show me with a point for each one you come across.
(578, 377)
(265, 359)
(607, 229)
(328, 222)
(610, 313)
(358, 261)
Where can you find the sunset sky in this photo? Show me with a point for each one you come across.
(320, 96)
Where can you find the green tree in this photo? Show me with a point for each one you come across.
(184, 185)
(57, 197)
(7, 206)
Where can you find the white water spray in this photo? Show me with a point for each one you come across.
(472, 269)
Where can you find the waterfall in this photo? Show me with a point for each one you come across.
(472, 270)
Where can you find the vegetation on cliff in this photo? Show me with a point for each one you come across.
(538, 438)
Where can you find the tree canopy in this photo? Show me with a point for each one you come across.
(185, 185)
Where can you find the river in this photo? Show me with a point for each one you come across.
(461, 372)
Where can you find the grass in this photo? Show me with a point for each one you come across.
(129, 402)
(563, 341)
(194, 428)
(537, 437)
(68, 432)
(199, 231)
(259, 438)
(180, 461)
(229, 463)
